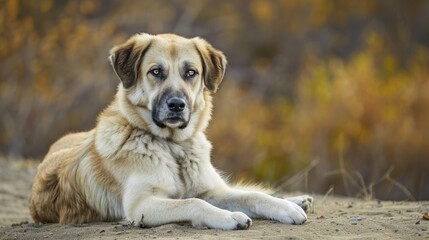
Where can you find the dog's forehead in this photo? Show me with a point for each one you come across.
(169, 46)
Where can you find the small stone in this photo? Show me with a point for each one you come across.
(356, 218)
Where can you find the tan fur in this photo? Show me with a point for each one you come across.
(130, 168)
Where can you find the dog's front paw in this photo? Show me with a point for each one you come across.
(291, 213)
(304, 201)
(226, 221)
(242, 221)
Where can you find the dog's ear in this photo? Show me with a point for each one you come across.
(214, 64)
(127, 58)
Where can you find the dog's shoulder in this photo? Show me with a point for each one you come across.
(111, 132)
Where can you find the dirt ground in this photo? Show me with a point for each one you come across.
(332, 218)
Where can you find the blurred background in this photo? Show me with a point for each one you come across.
(319, 96)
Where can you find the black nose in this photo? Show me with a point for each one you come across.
(176, 104)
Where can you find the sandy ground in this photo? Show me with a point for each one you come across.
(332, 218)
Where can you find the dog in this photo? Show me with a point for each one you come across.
(148, 158)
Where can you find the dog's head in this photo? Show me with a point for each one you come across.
(166, 81)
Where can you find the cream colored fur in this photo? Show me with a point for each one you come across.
(130, 168)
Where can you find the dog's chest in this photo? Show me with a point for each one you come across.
(189, 169)
(178, 170)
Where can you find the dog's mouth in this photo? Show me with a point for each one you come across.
(172, 122)
(175, 122)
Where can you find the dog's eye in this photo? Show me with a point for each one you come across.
(190, 73)
(155, 72)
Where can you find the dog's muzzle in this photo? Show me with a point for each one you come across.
(172, 110)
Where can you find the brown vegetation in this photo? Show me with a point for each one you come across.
(333, 93)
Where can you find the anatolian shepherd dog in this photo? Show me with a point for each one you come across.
(148, 159)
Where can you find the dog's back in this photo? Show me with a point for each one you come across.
(66, 143)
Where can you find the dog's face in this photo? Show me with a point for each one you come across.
(167, 79)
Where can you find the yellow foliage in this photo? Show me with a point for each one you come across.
(355, 111)
(262, 10)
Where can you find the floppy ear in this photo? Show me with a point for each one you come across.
(214, 64)
(127, 58)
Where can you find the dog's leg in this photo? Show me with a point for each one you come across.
(149, 207)
(154, 211)
(257, 204)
